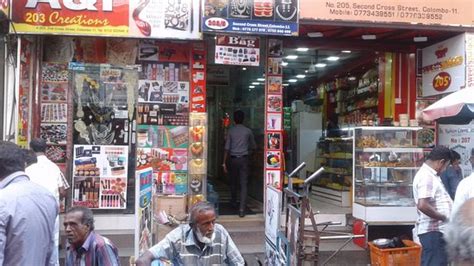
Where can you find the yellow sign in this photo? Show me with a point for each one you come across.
(452, 12)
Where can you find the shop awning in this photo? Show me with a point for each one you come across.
(456, 108)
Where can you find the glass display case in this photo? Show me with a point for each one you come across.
(385, 161)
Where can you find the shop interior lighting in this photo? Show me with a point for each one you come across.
(292, 80)
(283, 63)
(244, 68)
(286, 84)
(333, 58)
(420, 39)
(369, 37)
(260, 79)
(251, 87)
(351, 78)
(320, 65)
(302, 49)
(316, 34)
(300, 76)
(291, 57)
(346, 51)
(255, 83)
(306, 71)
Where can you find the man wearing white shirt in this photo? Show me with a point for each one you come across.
(48, 175)
(465, 188)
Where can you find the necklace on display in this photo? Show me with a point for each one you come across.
(102, 134)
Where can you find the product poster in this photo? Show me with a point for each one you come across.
(274, 103)
(144, 215)
(461, 139)
(274, 66)
(274, 121)
(24, 89)
(162, 159)
(444, 66)
(267, 17)
(54, 133)
(100, 176)
(273, 140)
(162, 136)
(172, 183)
(237, 50)
(198, 85)
(273, 178)
(275, 85)
(273, 159)
(177, 19)
(273, 203)
(292, 232)
(164, 72)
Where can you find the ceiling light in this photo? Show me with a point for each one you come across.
(333, 58)
(346, 51)
(306, 71)
(292, 80)
(320, 65)
(291, 57)
(261, 79)
(300, 76)
(252, 87)
(302, 49)
(286, 84)
(244, 68)
(284, 63)
(420, 39)
(315, 34)
(255, 83)
(369, 37)
(352, 78)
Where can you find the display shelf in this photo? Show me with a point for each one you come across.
(337, 171)
(388, 149)
(347, 156)
(389, 167)
(340, 198)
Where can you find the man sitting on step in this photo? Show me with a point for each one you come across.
(201, 242)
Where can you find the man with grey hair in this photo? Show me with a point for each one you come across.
(459, 235)
(201, 242)
(86, 247)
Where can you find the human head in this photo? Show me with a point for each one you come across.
(38, 145)
(459, 234)
(30, 157)
(239, 117)
(78, 223)
(455, 158)
(439, 158)
(11, 159)
(202, 220)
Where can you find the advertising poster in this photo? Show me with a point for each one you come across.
(24, 93)
(149, 136)
(267, 17)
(273, 178)
(455, 12)
(444, 66)
(177, 19)
(162, 159)
(198, 85)
(172, 183)
(237, 50)
(461, 139)
(272, 213)
(100, 176)
(143, 236)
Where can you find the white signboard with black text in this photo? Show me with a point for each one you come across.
(461, 139)
(237, 50)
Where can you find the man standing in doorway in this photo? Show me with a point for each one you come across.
(238, 145)
(434, 207)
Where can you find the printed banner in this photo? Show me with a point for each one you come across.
(444, 66)
(266, 17)
(144, 216)
(237, 50)
(461, 139)
(454, 12)
(177, 19)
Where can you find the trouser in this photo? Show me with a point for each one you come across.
(239, 172)
(433, 251)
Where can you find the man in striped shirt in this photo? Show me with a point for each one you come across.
(201, 242)
(87, 248)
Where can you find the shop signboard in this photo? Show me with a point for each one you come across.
(237, 50)
(444, 66)
(459, 138)
(177, 19)
(469, 60)
(266, 17)
(454, 12)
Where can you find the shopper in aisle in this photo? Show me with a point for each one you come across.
(27, 213)
(47, 174)
(465, 188)
(30, 157)
(86, 247)
(460, 235)
(201, 242)
(452, 175)
(238, 145)
(434, 206)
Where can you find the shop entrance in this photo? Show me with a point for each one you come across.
(230, 88)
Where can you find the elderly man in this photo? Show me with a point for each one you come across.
(459, 235)
(434, 206)
(86, 247)
(27, 213)
(201, 242)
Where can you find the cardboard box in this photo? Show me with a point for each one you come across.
(160, 231)
(174, 205)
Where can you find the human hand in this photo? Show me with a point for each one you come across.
(224, 168)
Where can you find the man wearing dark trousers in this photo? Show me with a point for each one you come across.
(238, 145)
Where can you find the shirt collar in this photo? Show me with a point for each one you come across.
(190, 238)
(429, 169)
(7, 180)
(85, 246)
